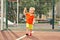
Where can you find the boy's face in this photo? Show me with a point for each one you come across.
(31, 11)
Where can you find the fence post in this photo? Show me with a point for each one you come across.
(6, 14)
(2, 15)
(17, 10)
(53, 11)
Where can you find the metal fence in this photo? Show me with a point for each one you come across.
(45, 19)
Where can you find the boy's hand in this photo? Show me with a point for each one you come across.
(25, 10)
(33, 21)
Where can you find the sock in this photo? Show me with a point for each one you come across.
(30, 34)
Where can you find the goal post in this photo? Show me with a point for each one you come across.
(1, 14)
(17, 10)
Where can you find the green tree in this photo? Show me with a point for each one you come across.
(41, 6)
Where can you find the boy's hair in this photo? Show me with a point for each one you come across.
(32, 8)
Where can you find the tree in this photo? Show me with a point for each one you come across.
(41, 6)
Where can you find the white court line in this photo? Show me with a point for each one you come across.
(23, 36)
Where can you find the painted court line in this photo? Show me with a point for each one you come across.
(23, 36)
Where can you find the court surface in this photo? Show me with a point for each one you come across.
(37, 35)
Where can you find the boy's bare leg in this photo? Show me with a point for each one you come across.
(30, 32)
(27, 31)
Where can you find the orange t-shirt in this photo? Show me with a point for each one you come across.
(29, 18)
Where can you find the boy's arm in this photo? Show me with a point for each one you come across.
(25, 11)
(33, 20)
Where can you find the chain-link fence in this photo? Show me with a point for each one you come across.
(57, 13)
(43, 14)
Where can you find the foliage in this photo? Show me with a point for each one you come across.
(41, 6)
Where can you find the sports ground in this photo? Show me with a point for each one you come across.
(37, 35)
(12, 19)
(43, 33)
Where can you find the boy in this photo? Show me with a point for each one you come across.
(29, 20)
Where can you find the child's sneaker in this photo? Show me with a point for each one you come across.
(27, 34)
(30, 34)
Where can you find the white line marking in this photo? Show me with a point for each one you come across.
(32, 31)
(23, 36)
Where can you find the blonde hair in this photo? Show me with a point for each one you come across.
(32, 8)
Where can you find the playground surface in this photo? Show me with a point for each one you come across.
(37, 35)
(41, 32)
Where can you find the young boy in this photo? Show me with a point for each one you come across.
(29, 20)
